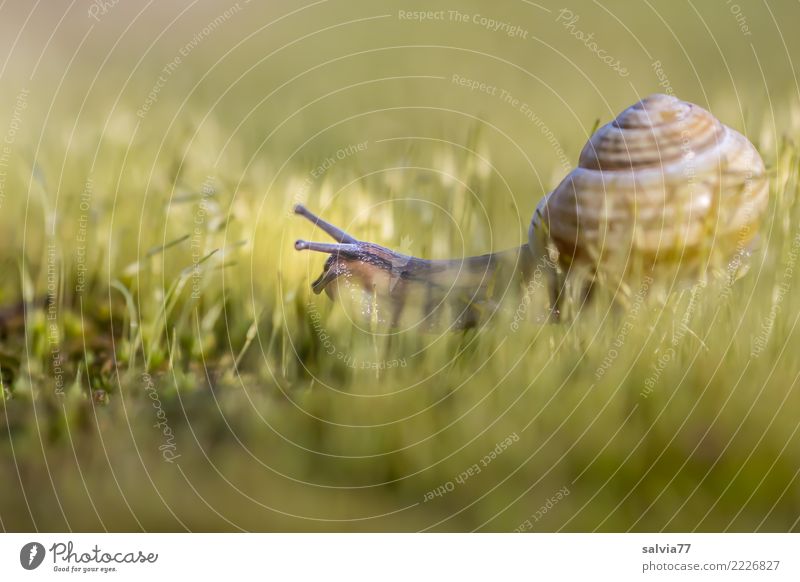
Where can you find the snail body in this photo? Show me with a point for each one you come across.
(663, 188)
(388, 285)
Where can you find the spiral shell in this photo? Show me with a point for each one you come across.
(665, 182)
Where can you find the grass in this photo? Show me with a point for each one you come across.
(165, 365)
(279, 412)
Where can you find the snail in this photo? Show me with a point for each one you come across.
(664, 190)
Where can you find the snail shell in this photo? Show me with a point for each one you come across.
(664, 182)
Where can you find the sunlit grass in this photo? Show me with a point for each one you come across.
(687, 420)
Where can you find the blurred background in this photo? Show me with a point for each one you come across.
(154, 305)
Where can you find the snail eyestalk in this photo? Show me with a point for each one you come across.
(335, 233)
(330, 248)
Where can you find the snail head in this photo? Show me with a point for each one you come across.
(365, 264)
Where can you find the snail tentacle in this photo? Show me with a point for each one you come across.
(304, 245)
(335, 232)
